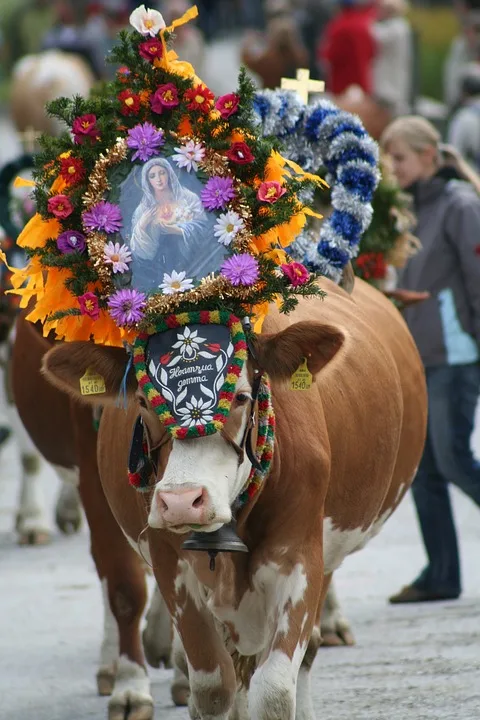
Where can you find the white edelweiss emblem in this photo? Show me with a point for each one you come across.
(196, 412)
(147, 22)
(188, 343)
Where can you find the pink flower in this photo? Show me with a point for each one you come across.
(60, 206)
(270, 191)
(240, 153)
(227, 104)
(89, 305)
(85, 126)
(296, 273)
(151, 49)
(165, 97)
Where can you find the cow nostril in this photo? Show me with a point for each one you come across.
(163, 504)
(198, 502)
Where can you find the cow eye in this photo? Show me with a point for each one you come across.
(142, 402)
(242, 398)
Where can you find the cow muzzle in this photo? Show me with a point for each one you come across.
(181, 509)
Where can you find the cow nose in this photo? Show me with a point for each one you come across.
(183, 507)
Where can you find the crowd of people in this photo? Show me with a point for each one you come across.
(367, 45)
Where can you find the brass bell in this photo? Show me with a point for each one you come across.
(225, 539)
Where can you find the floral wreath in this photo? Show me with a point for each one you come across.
(316, 136)
(80, 266)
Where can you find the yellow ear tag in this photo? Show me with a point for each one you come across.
(302, 377)
(92, 383)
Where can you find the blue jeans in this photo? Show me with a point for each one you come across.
(452, 395)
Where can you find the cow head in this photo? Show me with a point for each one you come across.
(202, 477)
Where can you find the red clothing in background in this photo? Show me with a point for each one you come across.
(347, 49)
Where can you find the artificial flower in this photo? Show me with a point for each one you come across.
(72, 170)
(240, 153)
(130, 102)
(71, 241)
(270, 191)
(176, 282)
(89, 305)
(276, 255)
(188, 343)
(146, 139)
(104, 216)
(151, 49)
(83, 127)
(371, 265)
(199, 98)
(60, 206)
(227, 227)
(196, 412)
(241, 269)
(296, 273)
(189, 155)
(123, 73)
(217, 192)
(127, 306)
(147, 22)
(165, 97)
(227, 105)
(118, 256)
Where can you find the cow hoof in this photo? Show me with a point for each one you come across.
(132, 710)
(105, 681)
(34, 537)
(180, 692)
(68, 522)
(155, 656)
(340, 638)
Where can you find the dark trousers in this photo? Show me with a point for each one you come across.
(452, 394)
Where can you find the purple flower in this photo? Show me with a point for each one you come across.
(104, 216)
(71, 241)
(240, 269)
(146, 139)
(127, 306)
(217, 192)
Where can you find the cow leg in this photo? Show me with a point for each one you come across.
(335, 628)
(32, 520)
(68, 513)
(121, 572)
(273, 687)
(157, 635)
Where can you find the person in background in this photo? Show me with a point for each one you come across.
(446, 329)
(346, 50)
(189, 40)
(464, 49)
(464, 129)
(278, 52)
(393, 63)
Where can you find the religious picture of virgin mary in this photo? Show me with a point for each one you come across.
(166, 226)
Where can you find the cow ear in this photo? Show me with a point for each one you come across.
(281, 354)
(66, 364)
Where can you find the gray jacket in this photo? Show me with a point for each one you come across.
(446, 327)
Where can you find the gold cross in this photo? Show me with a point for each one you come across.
(29, 139)
(303, 84)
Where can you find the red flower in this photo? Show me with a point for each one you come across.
(296, 273)
(165, 97)
(85, 126)
(123, 73)
(89, 305)
(72, 170)
(270, 191)
(130, 103)
(227, 104)
(151, 49)
(199, 98)
(60, 206)
(165, 358)
(372, 266)
(240, 153)
(214, 347)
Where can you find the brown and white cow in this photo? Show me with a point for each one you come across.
(346, 452)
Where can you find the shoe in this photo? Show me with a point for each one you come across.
(412, 594)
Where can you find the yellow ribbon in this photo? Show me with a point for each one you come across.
(21, 182)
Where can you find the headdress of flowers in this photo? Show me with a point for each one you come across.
(157, 106)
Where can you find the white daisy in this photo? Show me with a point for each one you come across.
(188, 156)
(227, 227)
(196, 412)
(176, 282)
(147, 22)
(188, 342)
(118, 256)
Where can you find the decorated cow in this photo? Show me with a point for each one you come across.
(259, 423)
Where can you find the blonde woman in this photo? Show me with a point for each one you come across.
(446, 328)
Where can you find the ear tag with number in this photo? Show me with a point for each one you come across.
(92, 383)
(302, 377)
